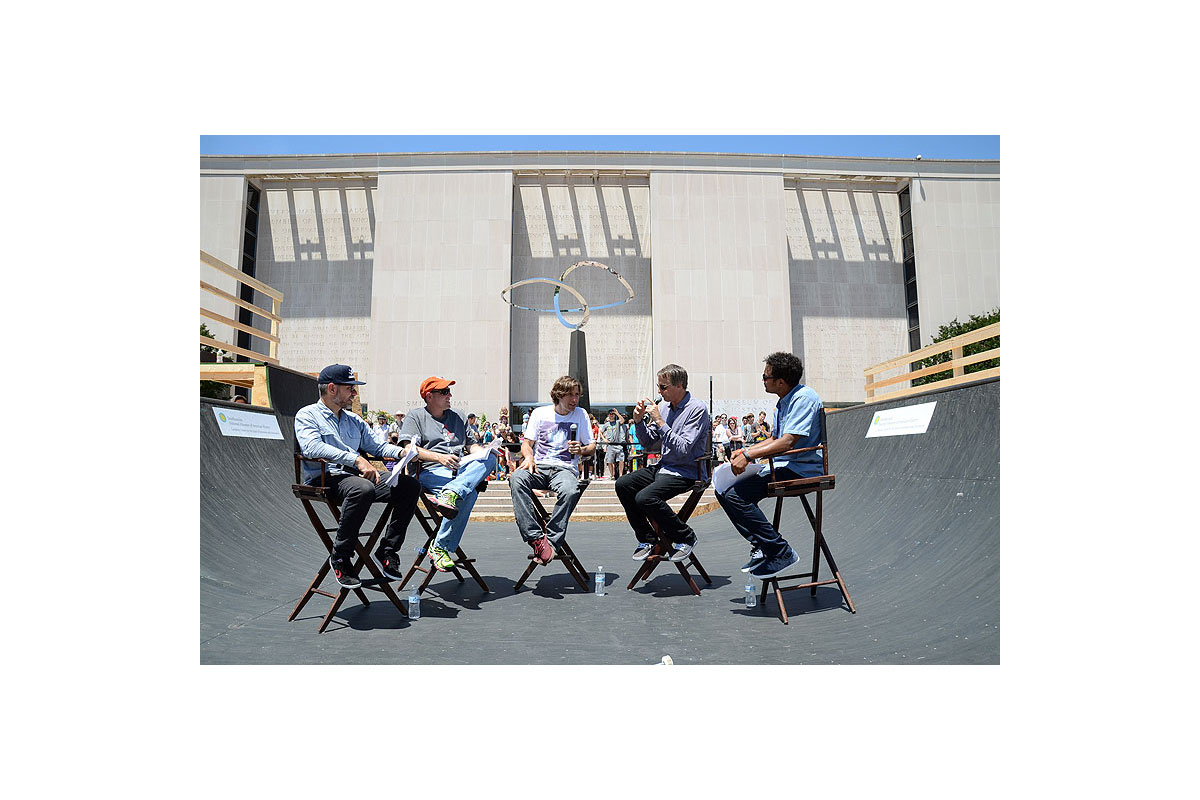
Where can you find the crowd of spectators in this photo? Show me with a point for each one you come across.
(617, 447)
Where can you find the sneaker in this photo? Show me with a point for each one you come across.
(341, 573)
(543, 551)
(441, 558)
(446, 502)
(641, 551)
(773, 566)
(756, 558)
(389, 564)
(681, 551)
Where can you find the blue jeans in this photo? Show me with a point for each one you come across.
(463, 484)
(741, 506)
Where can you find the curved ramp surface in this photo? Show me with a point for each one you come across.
(914, 525)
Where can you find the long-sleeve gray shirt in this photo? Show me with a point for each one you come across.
(682, 438)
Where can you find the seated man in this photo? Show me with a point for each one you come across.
(682, 438)
(550, 453)
(797, 425)
(441, 439)
(328, 429)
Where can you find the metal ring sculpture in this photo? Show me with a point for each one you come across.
(559, 285)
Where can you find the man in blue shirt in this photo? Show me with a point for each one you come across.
(682, 438)
(327, 429)
(797, 425)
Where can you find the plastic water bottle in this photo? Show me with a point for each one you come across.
(414, 604)
(600, 580)
(751, 595)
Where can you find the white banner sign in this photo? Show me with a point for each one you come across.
(902, 421)
(234, 422)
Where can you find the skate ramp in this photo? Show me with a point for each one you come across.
(913, 524)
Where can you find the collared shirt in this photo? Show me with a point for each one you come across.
(320, 433)
(682, 438)
(799, 412)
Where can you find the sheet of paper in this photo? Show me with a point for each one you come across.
(723, 476)
(495, 447)
(410, 452)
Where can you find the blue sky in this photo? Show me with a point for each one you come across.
(971, 147)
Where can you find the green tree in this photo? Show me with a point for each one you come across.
(955, 328)
(213, 389)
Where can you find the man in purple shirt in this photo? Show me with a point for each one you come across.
(682, 437)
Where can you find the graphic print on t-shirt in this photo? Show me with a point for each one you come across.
(553, 439)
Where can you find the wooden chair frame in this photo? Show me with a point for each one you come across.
(802, 487)
(662, 548)
(562, 550)
(308, 494)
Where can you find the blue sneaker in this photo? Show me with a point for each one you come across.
(773, 566)
(641, 551)
(756, 558)
(681, 551)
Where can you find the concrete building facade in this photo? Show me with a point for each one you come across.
(395, 264)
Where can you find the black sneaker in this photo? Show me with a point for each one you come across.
(389, 564)
(773, 566)
(642, 550)
(341, 573)
(680, 551)
(756, 558)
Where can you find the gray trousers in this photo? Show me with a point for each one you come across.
(562, 481)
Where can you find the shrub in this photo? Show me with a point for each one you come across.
(955, 328)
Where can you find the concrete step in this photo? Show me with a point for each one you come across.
(598, 504)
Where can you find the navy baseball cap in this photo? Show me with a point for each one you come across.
(340, 374)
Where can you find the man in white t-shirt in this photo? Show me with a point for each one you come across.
(554, 439)
(720, 439)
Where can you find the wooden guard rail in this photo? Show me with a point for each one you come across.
(276, 296)
(954, 365)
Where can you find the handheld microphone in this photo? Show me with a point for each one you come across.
(574, 431)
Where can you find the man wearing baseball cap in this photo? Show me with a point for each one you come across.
(441, 439)
(329, 430)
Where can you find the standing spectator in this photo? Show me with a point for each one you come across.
(613, 433)
(636, 451)
(736, 437)
(397, 421)
(472, 428)
(748, 428)
(598, 467)
(720, 439)
(762, 420)
(379, 431)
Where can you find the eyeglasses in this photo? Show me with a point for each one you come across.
(767, 377)
(662, 388)
(442, 391)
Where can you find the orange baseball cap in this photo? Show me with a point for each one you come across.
(433, 382)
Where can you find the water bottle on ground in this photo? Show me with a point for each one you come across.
(751, 595)
(414, 605)
(600, 580)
